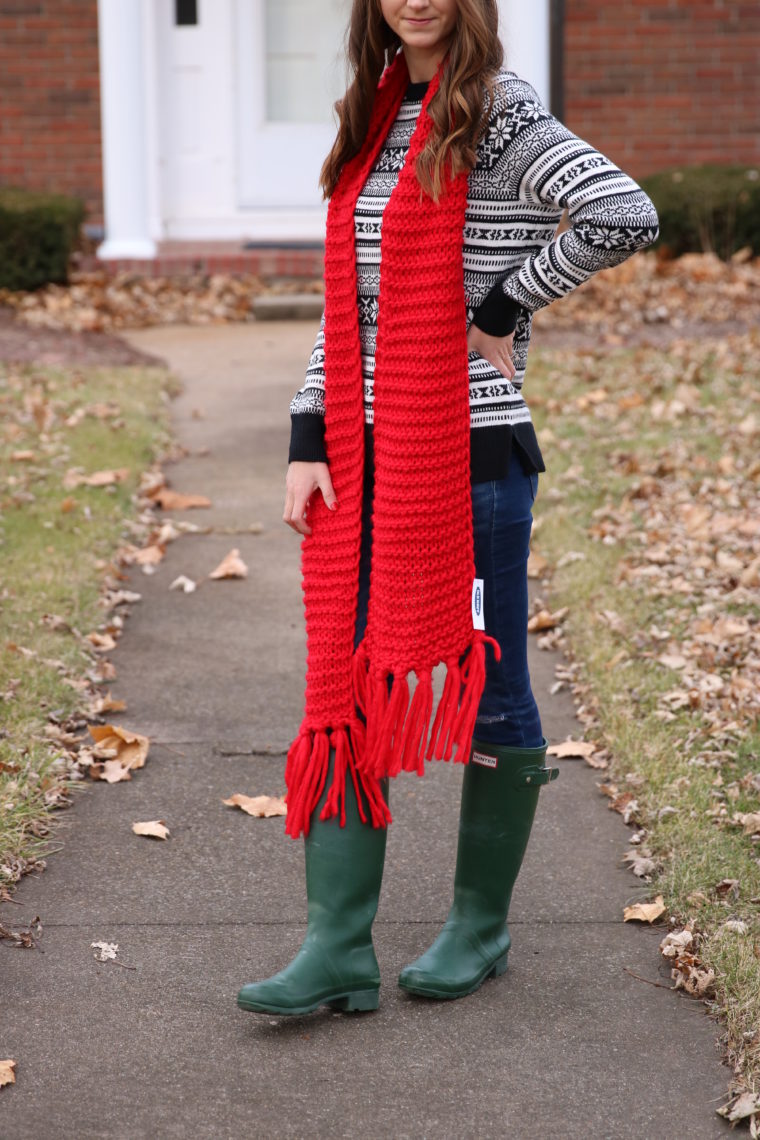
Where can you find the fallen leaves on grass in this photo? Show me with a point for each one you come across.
(154, 828)
(260, 806)
(75, 477)
(578, 750)
(644, 912)
(96, 301)
(117, 752)
(231, 566)
(7, 1072)
(688, 972)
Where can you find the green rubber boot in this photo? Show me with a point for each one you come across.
(336, 964)
(499, 800)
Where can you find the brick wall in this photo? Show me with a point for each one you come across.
(658, 83)
(50, 98)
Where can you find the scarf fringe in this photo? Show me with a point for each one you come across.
(394, 740)
(397, 728)
(306, 775)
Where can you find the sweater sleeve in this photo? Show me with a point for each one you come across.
(610, 216)
(497, 314)
(307, 409)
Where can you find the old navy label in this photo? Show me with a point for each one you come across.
(484, 759)
(478, 620)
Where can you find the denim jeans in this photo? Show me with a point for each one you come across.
(502, 519)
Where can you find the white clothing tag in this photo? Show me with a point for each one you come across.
(484, 759)
(478, 617)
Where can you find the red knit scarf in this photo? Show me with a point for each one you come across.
(422, 547)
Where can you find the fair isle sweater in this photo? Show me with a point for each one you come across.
(529, 169)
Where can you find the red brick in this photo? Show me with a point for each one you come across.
(687, 64)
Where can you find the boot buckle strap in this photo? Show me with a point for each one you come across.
(532, 776)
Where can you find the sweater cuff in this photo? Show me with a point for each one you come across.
(498, 313)
(307, 438)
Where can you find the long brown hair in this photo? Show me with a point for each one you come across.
(457, 109)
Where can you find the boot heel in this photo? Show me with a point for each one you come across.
(360, 1001)
(500, 966)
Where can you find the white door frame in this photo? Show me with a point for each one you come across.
(134, 211)
(263, 185)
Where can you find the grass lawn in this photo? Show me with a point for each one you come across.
(649, 519)
(57, 536)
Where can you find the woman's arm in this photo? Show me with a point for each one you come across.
(307, 459)
(534, 158)
(307, 409)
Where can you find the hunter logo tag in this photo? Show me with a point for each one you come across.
(484, 759)
(478, 620)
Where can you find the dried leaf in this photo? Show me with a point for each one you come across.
(187, 585)
(76, 478)
(572, 750)
(7, 1072)
(101, 642)
(107, 703)
(170, 500)
(261, 806)
(545, 619)
(537, 565)
(750, 821)
(106, 951)
(644, 912)
(149, 555)
(673, 660)
(640, 863)
(155, 828)
(673, 944)
(746, 1104)
(231, 566)
(733, 926)
(122, 751)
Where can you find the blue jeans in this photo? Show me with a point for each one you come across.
(502, 519)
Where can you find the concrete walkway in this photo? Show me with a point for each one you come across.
(567, 1044)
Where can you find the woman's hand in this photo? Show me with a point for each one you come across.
(497, 350)
(301, 481)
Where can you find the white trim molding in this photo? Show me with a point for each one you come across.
(124, 84)
(526, 34)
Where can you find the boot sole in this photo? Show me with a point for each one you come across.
(496, 970)
(357, 1001)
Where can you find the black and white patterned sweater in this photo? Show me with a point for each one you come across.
(529, 169)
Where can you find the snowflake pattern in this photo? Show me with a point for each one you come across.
(529, 167)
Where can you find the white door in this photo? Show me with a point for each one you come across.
(290, 72)
(196, 130)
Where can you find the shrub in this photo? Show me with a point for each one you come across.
(707, 208)
(37, 234)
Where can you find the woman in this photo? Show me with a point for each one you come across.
(413, 456)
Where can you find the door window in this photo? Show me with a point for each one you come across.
(304, 59)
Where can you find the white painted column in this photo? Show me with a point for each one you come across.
(123, 82)
(525, 31)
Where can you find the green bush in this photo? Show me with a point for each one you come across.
(707, 208)
(37, 234)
